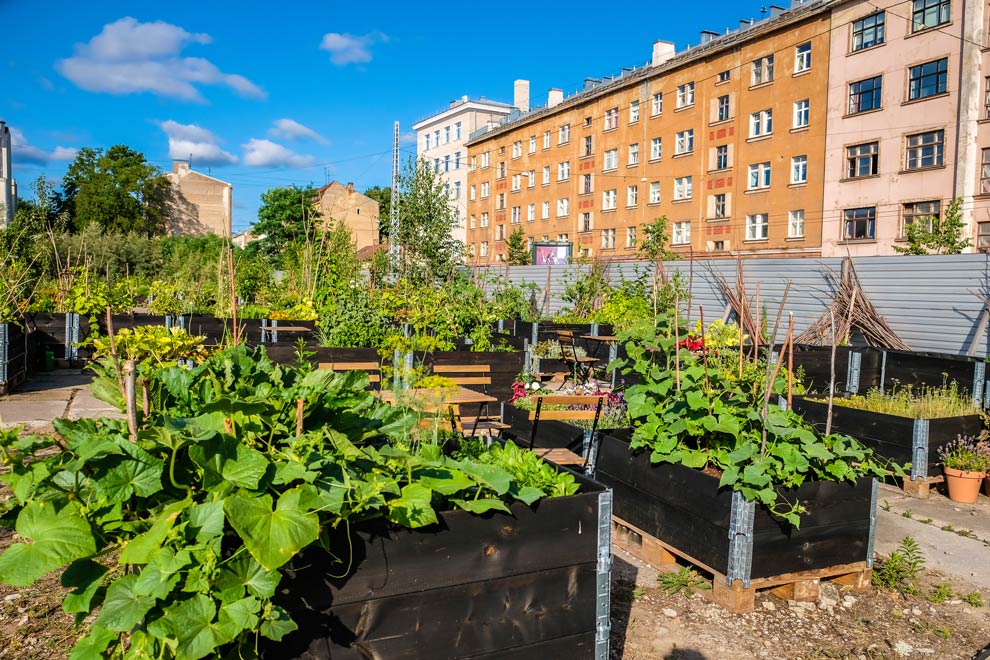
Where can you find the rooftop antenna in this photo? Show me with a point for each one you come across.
(393, 227)
(763, 12)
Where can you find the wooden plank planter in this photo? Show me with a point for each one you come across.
(533, 584)
(13, 357)
(679, 511)
(552, 433)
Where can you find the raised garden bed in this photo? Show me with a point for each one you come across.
(857, 369)
(533, 584)
(13, 356)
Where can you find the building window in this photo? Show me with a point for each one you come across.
(546, 175)
(564, 134)
(802, 57)
(531, 213)
(516, 215)
(485, 160)
(611, 118)
(724, 76)
(722, 112)
(985, 171)
(795, 224)
(656, 148)
(761, 123)
(685, 142)
(757, 227)
(929, 13)
(719, 206)
(632, 195)
(762, 70)
(585, 225)
(457, 160)
(681, 234)
(457, 130)
(546, 139)
(501, 170)
(587, 122)
(516, 182)
(532, 144)
(484, 219)
(630, 237)
(685, 95)
(682, 187)
(611, 159)
(532, 178)
(485, 189)
(868, 31)
(446, 134)
(928, 79)
(608, 200)
(926, 213)
(634, 154)
(859, 224)
(426, 141)
(759, 176)
(457, 189)
(633, 112)
(564, 170)
(865, 95)
(655, 188)
(436, 165)
(473, 193)
(862, 160)
(474, 222)
(589, 147)
(484, 248)
(517, 149)
(500, 201)
(983, 236)
(586, 186)
(545, 211)
(722, 157)
(608, 239)
(563, 207)
(656, 104)
(799, 169)
(802, 113)
(925, 150)
(446, 163)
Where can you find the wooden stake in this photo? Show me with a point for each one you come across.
(233, 293)
(299, 416)
(113, 353)
(704, 347)
(831, 383)
(677, 343)
(769, 388)
(790, 366)
(130, 398)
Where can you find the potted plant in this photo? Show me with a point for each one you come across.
(965, 462)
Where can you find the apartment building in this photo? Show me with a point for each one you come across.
(904, 120)
(342, 203)
(8, 187)
(442, 137)
(199, 204)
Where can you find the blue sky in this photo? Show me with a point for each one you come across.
(270, 94)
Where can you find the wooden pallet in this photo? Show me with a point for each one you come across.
(921, 488)
(801, 586)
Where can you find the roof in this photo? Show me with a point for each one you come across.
(461, 105)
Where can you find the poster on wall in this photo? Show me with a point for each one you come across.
(547, 254)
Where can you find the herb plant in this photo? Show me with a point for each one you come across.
(967, 453)
(924, 403)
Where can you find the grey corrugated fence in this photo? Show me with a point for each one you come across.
(929, 301)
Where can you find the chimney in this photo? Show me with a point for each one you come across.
(746, 23)
(708, 36)
(776, 10)
(520, 95)
(555, 97)
(662, 51)
(180, 166)
(350, 187)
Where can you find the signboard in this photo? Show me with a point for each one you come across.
(551, 253)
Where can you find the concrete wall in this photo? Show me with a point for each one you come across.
(200, 204)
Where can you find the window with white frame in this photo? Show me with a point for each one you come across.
(682, 187)
(608, 239)
(546, 175)
(500, 170)
(985, 171)
(759, 176)
(799, 169)
(436, 138)
(473, 221)
(586, 184)
(532, 144)
(562, 238)
(633, 112)
(484, 248)
(632, 195)
(585, 224)
(611, 159)
(485, 160)
(723, 104)
(564, 134)
(802, 113)
(589, 147)
(446, 163)
(654, 192)
(517, 149)
(762, 70)
(457, 160)
(532, 178)
(516, 182)
(681, 233)
(722, 157)
(473, 193)
(499, 201)
(426, 141)
(724, 76)
(802, 57)
(474, 164)
(631, 237)
(761, 123)
(564, 170)
(546, 139)
(685, 95)
(795, 224)
(634, 154)
(927, 14)
(531, 212)
(608, 200)
(656, 148)
(868, 31)
(486, 188)
(720, 206)
(446, 134)
(925, 150)
(484, 219)
(457, 189)
(545, 210)
(529, 243)
(516, 215)
(685, 142)
(436, 165)
(457, 130)
(757, 227)
(656, 104)
(611, 118)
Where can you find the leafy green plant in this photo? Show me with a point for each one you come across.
(967, 453)
(940, 593)
(974, 599)
(686, 580)
(900, 571)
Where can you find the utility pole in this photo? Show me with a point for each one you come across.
(393, 227)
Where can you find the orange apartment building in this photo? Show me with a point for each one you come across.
(727, 140)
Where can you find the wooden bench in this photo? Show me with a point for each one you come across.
(590, 410)
(373, 369)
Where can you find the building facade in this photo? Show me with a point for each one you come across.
(342, 203)
(200, 204)
(441, 140)
(8, 187)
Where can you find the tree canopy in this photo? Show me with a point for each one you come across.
(427, 218)
(286, 215)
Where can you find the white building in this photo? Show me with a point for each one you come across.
(8, 187)
(441, 139)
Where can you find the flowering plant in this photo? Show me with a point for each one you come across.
(967, 453)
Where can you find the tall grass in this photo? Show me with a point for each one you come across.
(925, 402)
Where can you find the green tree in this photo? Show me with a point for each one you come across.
(518, 253)
(287, 215)
(653, 244)
(427, 219)
(382, 195)
(116, 190)
(933, 235)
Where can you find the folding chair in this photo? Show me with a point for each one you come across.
(580, 366)
(473, 376)
(591, 410)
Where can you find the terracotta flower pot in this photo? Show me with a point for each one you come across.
(964, 486)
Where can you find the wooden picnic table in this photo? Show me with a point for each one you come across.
(611, 340)
(460, 396)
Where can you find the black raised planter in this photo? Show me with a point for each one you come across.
(13, 356)
(857, 369)
(899, 439)
(552, 433)
(526, 585)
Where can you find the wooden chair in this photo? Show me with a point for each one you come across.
(590, 409)
(474, 376)
(373, 369)
(580, 366)
(443, 417)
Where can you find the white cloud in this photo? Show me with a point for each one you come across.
(265, 153)
(191, 141)
(347, 49)
(289, 129)
(24, 152)
(130, 57)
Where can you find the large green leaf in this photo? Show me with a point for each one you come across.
(272, 537)
(277, 624)
(191, 624)
(121, 478)
(244, 572)
(84, 577)
(124, 607)
(56, 538)
(413, 508)
(142, 547)
(94, 645)
(226, 460)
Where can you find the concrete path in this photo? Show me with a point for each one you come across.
(47, 396)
